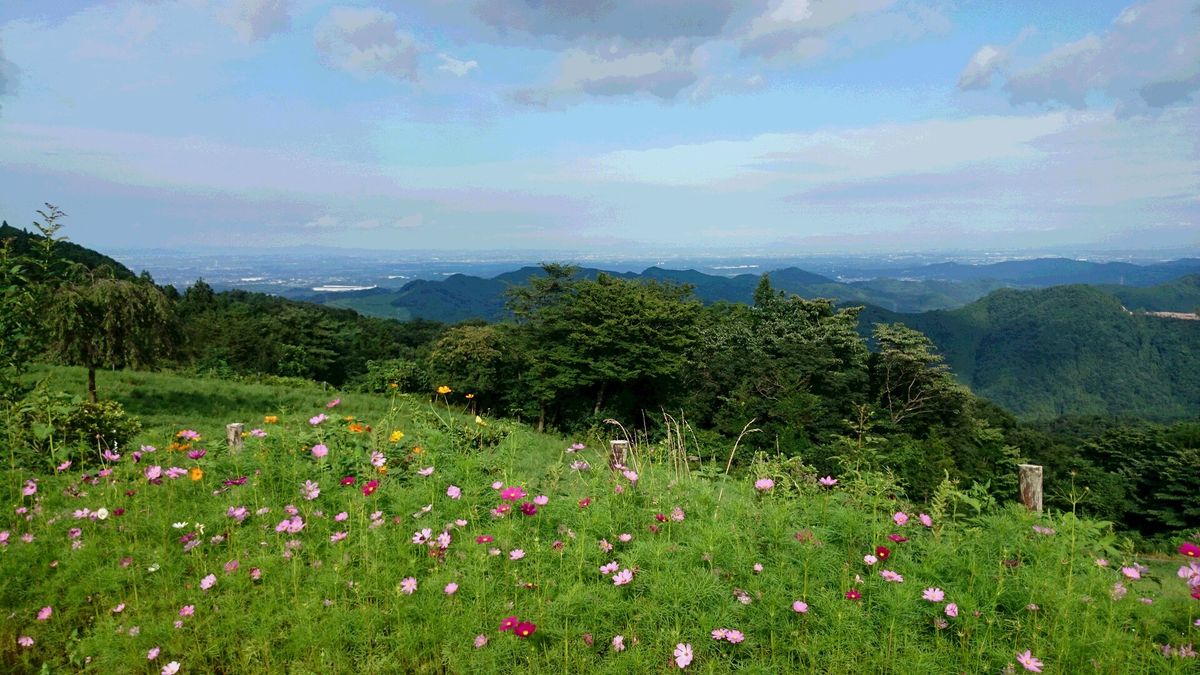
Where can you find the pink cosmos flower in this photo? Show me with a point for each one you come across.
(196, 454)
(605, 546)
(317, 419)
(45, 613)
(497, 485)
(171, 668)
(934, 595)
(609, 568)
(175, 472)
(311, 490)
(1101, 562)
(153, 472)
(1118, 591)
(1044, 531)
(1031, 663)
(758, 568)
(333, 403)
(208, 582)
(630, 475)
(484, 539)
(541, 500)
(422, 536)
(341, 517)
(319, 450)
(585, 502)
(925, 520)
(889, 575)
(951, 610)
(338, 536)
(1131, 572)
(258, 433)
(25, 641)
(764, 484)
(900, 518)
(443, 540)
(800, 607)
(623, 577)
(677, 514)
(152, 654)
(30, 488)
(187, 610)
(512, 494)
(516, 554)
(683, 655)
(408, 585)
(454, 492)
(625, 537)
(232, 566)
(378, 459)
(898, 538)
(480, 641)
(828, 481)
(451, 588)
(734, 636)
(870, 559)
(719, 633)
(853, 594)
(427, 471)
(618, 643)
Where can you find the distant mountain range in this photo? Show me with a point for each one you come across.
(940, 286)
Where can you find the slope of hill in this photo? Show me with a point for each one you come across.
(1042, 272)
(1178, 295)
(1065, 350)
(23, 241)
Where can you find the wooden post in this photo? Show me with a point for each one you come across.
(1031, 486)
(233, 436)
(616, 454)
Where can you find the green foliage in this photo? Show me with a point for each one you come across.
(46, 428)
(109, 323)
(407, 375)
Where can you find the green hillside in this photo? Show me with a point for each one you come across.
(23, 242)
(1067, 350)
(1178, 295)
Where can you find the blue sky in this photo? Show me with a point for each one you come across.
(606, 125)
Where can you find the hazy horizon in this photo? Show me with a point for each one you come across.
(518, 128)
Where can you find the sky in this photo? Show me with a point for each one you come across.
(787, 126)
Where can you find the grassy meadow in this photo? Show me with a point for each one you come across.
(358, 533)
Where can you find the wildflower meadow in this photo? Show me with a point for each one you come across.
(403, 534)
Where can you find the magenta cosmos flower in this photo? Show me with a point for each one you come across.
(853, 594)
(528, 508)
(512, 494)
(524, 629)
(1189, 549)
(509, 623)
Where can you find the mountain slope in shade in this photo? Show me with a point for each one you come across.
(23, 241)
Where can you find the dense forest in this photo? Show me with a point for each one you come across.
(844, 388)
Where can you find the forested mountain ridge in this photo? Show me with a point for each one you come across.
(1066, 350)
(460, 297)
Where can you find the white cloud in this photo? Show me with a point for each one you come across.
(367, 41)
(1149, 58)
(257, 19)
(456, 67)
(617, 71)
(981, 67)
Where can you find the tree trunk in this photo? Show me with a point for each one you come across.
(92, 384)
(541, 417)
(599, 399)
(233, 436)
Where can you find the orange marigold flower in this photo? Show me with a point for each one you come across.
(417, 450)
(393, 385)
(195, 473)
(357, 428)
(270, 419)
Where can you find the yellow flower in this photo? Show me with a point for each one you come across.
(382, 470)
(396, 436)
(443, 390)
(479, 421)
(348, 418)
(469, 396)
(195, 473)
(271, 419)
(393, 385)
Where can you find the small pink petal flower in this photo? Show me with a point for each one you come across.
(800, 607)
(45, 613)
(451, 588)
